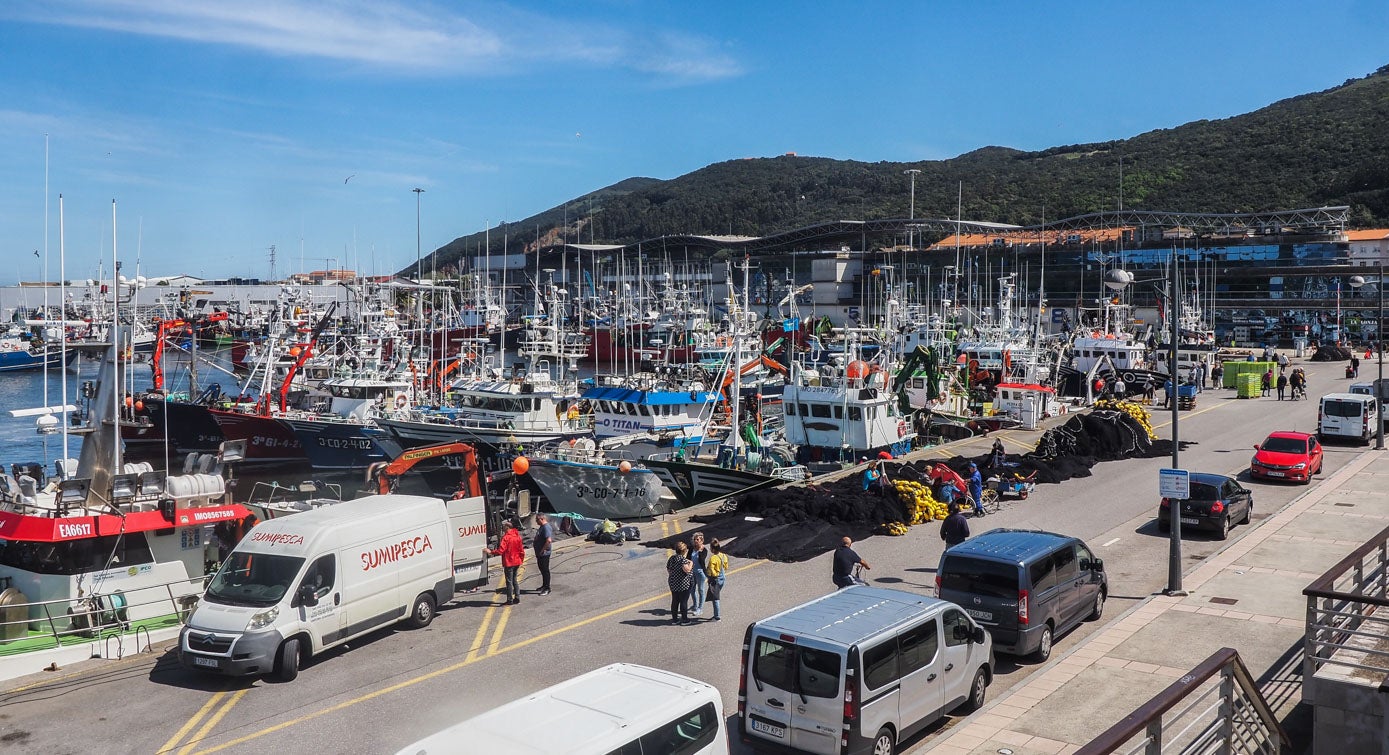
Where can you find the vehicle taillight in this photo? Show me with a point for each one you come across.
(850, 706)
(937, 584)
(1022, 607)
(1164, 503)
(1217, 507)
(743, 683)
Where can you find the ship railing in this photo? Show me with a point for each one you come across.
(1348, 616)
(47, 624)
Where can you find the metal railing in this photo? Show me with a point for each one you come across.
(1348, 615)
(96, 617)
(1216, 708)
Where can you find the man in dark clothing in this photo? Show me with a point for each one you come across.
(1354, 366)
(541, 542)
(845, 559)
(955, 529)
(1282, 384)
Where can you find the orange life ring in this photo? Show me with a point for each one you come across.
(401, 401)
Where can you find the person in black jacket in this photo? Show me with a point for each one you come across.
(955, 529)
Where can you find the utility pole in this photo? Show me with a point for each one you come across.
(418, 266)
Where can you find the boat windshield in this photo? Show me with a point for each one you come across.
(253, 579)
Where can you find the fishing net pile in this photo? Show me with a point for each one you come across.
(796, 523)
(1330, 352)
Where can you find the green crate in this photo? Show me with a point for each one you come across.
(1234, 369)
(1249, 385)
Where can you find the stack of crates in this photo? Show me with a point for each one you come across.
(1233, 371)
(1249, 385)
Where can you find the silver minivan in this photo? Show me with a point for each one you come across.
(859, 670)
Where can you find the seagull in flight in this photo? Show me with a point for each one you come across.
(349, 178)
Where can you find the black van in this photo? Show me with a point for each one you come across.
(1026, 587)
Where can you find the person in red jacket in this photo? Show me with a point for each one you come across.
(513, 552)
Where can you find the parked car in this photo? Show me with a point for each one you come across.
(1217, 503)
(1287, 456)
(1026, 587)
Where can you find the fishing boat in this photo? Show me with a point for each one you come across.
(20, 351)
(844, 410)
(598, 484)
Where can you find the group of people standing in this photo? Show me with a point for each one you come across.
(513, 552)
(696, 573)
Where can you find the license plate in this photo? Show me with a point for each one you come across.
(765, 728)
(206, 662)
(1275, 474)
(984, 615)
(1189, 520)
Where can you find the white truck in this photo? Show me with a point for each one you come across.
(297, 585)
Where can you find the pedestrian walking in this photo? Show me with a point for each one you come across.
(1204, 370)
(1193, 376)
(1266, 382)
(976, 488)
(699, 556)
(1354, 366)
(955, 529)
(1149, 392)
(1121, 389)
(845, 559)
(1282, 384)
(513, 552)
(1283, 361)
(541, 542)
(718, 575)
(678, 569)
(1217, 375)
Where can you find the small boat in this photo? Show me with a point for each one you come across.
(597, 484)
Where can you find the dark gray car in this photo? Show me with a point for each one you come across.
(1026, 587)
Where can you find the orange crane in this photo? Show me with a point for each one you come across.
(386, 474)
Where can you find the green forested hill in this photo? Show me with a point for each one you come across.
(1327, 148)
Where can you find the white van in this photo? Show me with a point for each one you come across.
(1347, 415)
(297, 585)
(859, 670)
(622, 709)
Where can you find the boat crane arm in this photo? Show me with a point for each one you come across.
(305, 353)
(385, 475)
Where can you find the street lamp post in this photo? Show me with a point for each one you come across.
(419, 274)
(1356, 282)
(913, 172)
(1118, 279)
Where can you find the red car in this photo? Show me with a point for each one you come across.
(1287, 456)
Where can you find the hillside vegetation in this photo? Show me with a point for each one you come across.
(1327, 148)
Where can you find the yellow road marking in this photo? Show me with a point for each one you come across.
(178, 735)
(446, 670)
(213, 721)
(665, 533)
(482, 628)
(506, 613)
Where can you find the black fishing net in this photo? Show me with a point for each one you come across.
(797, 523)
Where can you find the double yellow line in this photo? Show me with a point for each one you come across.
(226, 701)
(477, 649)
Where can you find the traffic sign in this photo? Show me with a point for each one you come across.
(1174, 483)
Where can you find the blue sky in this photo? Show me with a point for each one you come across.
(221, 128)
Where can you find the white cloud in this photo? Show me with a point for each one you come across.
(390, 35)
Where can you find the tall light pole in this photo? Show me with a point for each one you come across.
(419, 274)
(913, 172)
(1118, 279)
(1356, 282)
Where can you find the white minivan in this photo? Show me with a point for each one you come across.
(297, 585)
(1347, 415)
(859, 670)
(621, 709)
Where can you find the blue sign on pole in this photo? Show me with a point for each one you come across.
(1174, 483)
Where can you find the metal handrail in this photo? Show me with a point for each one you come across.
(1341, 606)
(1139, 722)
(55, 611)
(1324, 586)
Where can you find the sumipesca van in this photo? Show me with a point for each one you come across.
(621, 709)
(300, 584)
(859, 670)
(1027, 587)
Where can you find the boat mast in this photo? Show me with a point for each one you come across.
(116, 341)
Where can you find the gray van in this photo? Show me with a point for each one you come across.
(1027, 587)
(859, 670)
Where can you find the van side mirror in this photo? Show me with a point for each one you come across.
(307, 596)
(1095, 564)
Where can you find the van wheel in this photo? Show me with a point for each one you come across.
(1098, 610)
(422, 613)
(287, 661)
(884, 744)
(1043, 651)
(977, 690)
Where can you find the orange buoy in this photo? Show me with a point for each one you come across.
(129, 401)
(624, 467)
(520, 465)
(856, 369)
(294, 351)
(139, 406)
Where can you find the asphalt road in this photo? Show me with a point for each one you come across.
(608, 605)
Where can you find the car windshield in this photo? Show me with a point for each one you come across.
(1285, 445)
(979, 577)
(253, 579)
